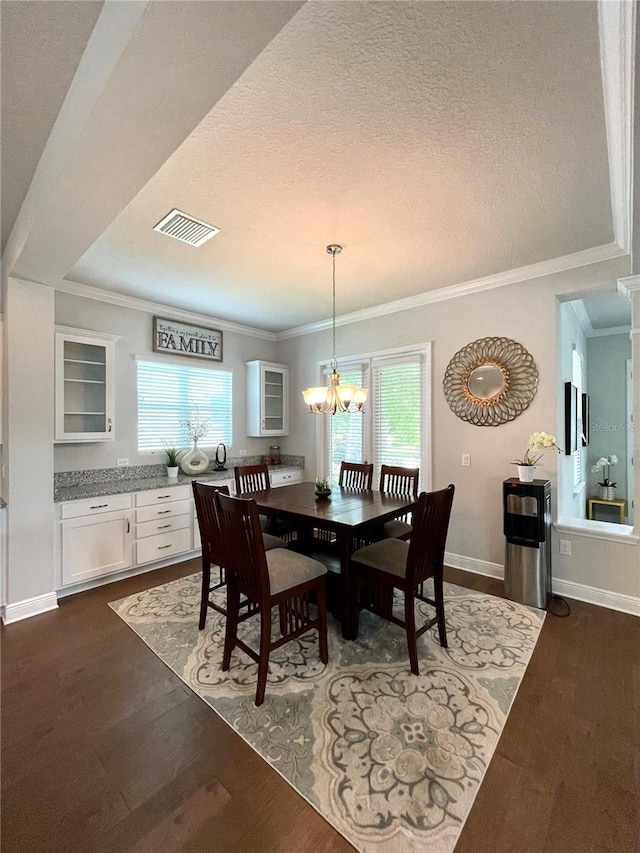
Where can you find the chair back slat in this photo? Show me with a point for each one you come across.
(252, 478)
(399, 481)
(243, 545)
(204, 498)
(430, 525)
(356, 475)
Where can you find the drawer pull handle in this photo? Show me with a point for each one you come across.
(98, 506)
(163, 511)
(162, 497)
(162, 547)
(163, 526)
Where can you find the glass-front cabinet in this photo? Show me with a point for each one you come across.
(267, 398)
(84, 386)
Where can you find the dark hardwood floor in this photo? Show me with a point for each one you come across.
(104, 749)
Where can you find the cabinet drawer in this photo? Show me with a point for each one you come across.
(149, 513)
(93, 506)
(158, 496)
(163, 545)
(284, 478)
(162, 525)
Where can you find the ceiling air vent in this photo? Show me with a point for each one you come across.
(186, 228)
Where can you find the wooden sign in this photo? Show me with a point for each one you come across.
(175, 338)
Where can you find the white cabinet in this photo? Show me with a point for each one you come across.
(267, 398)
(163, 523)
(284, 478)
(84, 386)
(96, 543)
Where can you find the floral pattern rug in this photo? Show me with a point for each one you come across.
(393, 761)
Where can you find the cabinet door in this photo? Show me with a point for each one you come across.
(96, 545)
(84, 388)
(267, 399)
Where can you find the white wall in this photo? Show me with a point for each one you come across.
(27, 460)
(526, 312)
(135, 330)
(571, 336)
(607, 357)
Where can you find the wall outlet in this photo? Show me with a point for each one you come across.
(242, 453)
(565, 547)
(466, 460)
(122, 461)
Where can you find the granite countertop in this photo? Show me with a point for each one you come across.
(153, 480)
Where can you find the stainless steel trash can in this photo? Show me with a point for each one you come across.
(527, 530)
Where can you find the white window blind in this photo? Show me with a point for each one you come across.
(344, 433)
(170, 393)
(398, 413)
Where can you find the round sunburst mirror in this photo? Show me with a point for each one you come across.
(490, 381)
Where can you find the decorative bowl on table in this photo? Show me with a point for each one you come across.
(323, 488)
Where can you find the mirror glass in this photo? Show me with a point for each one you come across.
(485, 381)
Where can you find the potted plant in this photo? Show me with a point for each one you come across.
(538, 443)
(323, 487)
(607, 488)
(172, 454)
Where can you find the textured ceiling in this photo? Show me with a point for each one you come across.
(438, 142)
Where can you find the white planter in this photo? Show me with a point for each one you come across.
(607, 493)
(172, 472)
(526, 473)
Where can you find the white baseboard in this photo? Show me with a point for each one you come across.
(579, 591)
(601, 597)
(470, 564)
(29, 607)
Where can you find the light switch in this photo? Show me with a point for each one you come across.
(466, 460)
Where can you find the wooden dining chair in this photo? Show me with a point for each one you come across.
(255, 478)
(391, 564)
(251, 478)
(210, 538)
(399, 481)
(266, 579)
(356, 475)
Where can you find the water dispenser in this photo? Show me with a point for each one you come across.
(527, 529)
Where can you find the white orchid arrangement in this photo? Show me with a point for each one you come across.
(605, 463)
(538, 443)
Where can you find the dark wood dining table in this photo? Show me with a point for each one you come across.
(351, 514)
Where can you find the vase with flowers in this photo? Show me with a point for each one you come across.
(607, 488)
(538, 443)
(195, 461)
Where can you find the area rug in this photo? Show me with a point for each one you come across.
(393, 761)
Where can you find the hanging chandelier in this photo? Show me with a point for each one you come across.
(327, 400)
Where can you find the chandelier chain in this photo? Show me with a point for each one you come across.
(334, 362)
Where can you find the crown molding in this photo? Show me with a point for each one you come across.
(582, 316)
(611, 330)
(136, 304)
(616, 28)
(628, 285)
(554, 265)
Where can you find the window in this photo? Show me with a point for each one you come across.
(170, 393)
(344, 433)
(397, 413)
(392, 430)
